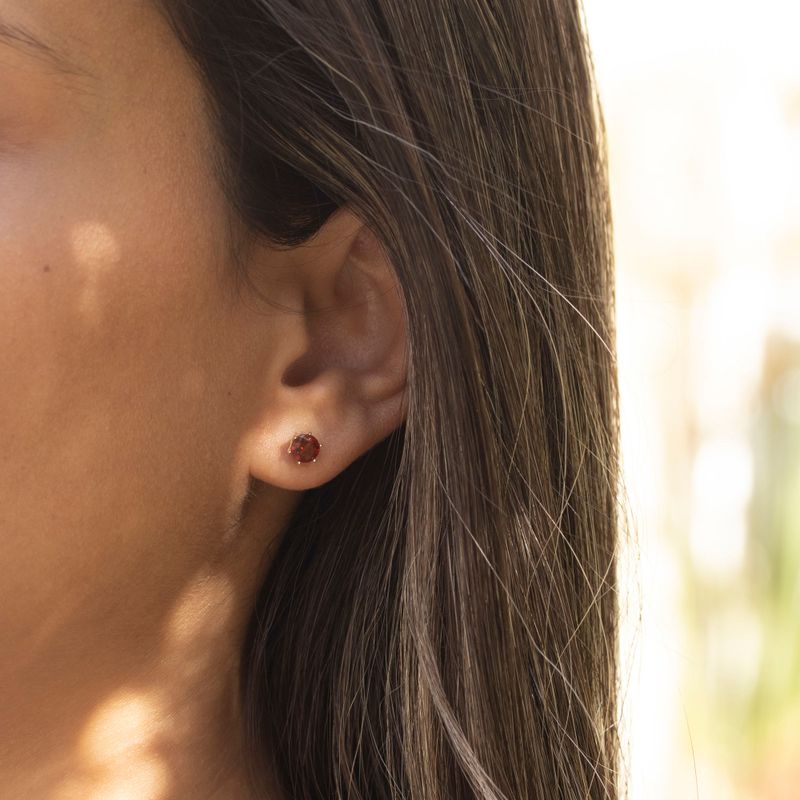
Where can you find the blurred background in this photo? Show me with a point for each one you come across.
(702, 106)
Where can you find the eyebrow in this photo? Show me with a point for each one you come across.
(23, 39)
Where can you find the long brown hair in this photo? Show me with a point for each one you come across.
(440, 620)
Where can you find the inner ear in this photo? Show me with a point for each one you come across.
(342, 333)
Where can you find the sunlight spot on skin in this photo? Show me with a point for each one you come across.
(201, 613)
(95, 251)
(150, 781)
(118, 753)
(119, 725)
(199, 620)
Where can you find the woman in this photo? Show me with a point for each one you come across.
(309, 423)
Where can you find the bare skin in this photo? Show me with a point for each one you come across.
(138, 397)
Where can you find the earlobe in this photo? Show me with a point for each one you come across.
(339, 371)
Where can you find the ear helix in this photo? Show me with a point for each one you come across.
(304, 448)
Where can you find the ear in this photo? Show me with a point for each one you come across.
(338, 369)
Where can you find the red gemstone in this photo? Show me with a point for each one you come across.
(304, 447)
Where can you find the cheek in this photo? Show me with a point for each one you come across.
(105, 275)
(110, 266)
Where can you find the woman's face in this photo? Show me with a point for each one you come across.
(128, 373)
(140, 392)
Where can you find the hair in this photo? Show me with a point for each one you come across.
(440, 619)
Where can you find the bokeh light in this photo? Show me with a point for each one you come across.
(702, 107)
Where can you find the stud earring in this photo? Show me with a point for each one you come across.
(304, 447)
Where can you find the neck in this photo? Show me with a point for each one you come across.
(128, 688)
(122, 715)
